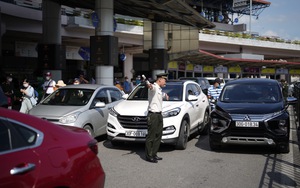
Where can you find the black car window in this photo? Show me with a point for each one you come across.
(175, 91)
(115, 95)
(72, 97)
(14, 136)
(139, 93)
(102, 96)
(251, 93)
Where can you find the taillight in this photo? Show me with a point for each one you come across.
(93, 146)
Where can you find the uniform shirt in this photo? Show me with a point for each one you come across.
(214, 92)
(48, 86)
(155, 98)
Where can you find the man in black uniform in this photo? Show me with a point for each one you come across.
(155, 118)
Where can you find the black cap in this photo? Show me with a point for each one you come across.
(217, 80)
(162, 75)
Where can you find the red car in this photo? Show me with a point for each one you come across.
(37, 153)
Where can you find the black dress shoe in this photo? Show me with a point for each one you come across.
(151, 160)
(157, 158)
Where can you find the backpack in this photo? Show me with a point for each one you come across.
(36, 95)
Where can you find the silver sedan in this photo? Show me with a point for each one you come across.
(83, 105)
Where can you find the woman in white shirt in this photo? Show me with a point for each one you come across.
(28, 99)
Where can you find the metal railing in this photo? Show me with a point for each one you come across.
(296, 93)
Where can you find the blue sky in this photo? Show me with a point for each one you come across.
(281, 18)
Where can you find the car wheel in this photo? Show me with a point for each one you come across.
(214, 146)
(283, 148)
(206, 120)
(183, 135)
(89, 130)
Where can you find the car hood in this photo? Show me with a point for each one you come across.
(140, 108)
(53, 111)
(250, 108)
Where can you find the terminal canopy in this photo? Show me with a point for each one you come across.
(172, 11)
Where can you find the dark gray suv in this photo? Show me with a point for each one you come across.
(202, 81)
(251, 112)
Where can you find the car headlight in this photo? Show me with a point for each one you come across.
(70, 118)
(170, 113)
(113, 112)
(219, 122)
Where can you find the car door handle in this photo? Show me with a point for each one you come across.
(22, 169)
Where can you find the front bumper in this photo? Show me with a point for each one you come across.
(117, 132)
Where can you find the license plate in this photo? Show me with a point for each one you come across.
(246, 124)
(136, 133)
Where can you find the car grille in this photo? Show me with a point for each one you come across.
(133, 122)
(251, 131)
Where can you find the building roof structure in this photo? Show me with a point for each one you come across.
(172, 11)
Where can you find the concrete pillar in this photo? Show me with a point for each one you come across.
(51, 22)
(158, 35)
(158, 41)
(50, 51)
(128, 66)
(104, 75)
(105, 12)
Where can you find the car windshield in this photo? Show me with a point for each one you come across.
(69, 97)
(174, 92)
(251, 93)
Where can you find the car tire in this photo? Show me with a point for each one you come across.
(183, 135)
(206, 121)
(89, 130)
(283, 148)
(214, 146)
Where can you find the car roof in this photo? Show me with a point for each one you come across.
(87, 86)
(192, 78)
(253, 80)
(177, 82)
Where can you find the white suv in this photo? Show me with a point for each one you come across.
(183, 114)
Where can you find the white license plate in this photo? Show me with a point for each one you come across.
(136, 133)
(246, 124)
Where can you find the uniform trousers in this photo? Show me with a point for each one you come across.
(153, 139)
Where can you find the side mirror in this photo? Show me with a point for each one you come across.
(192, 98)
(291, 100)
(99, 105)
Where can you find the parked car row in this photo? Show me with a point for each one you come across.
(249, 111)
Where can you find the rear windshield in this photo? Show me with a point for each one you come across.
(251, 93)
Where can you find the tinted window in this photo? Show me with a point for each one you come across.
(251, 93)
(115, 95)
(102, 96)
(14, 136)
(173, 90)
(193, 89)
(71, 97)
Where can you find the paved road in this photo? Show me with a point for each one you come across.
(197, 166)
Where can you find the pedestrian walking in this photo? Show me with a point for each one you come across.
(28, 98)
(49, 85)
(127, 85)
(154, 117)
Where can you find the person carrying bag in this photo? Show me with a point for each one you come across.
(28, 99)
